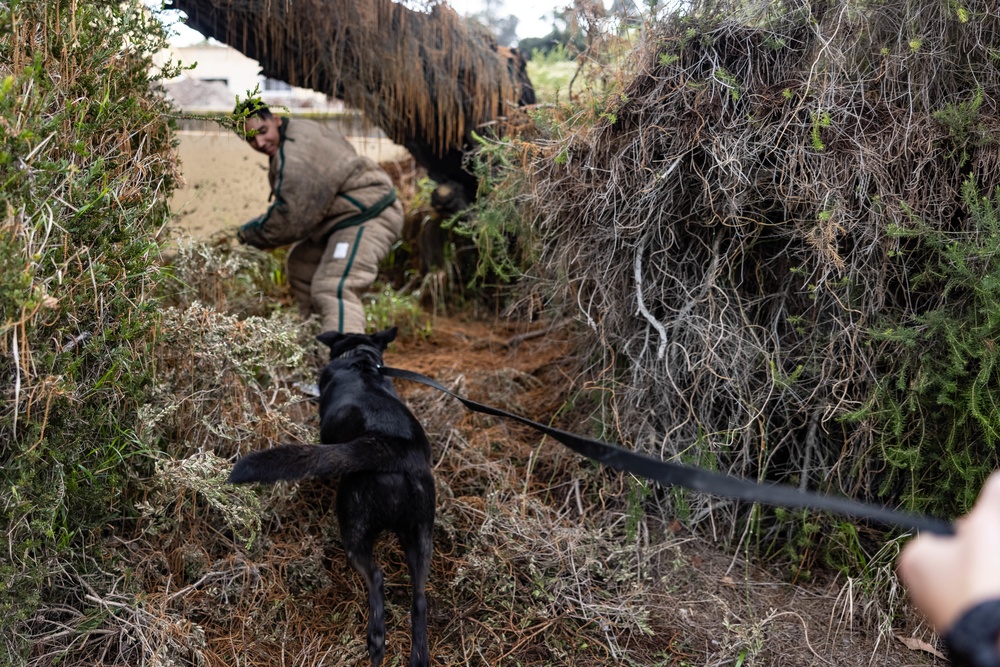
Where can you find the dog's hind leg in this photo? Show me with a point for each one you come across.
(358, 545)
(363, 562)
(418, 545)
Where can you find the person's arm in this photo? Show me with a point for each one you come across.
(949, 576)
(301, 201)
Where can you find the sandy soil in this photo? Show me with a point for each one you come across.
(225, 181)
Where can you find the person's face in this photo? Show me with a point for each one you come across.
(266, 138)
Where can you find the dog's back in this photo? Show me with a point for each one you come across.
(364, 426)
(356, 399)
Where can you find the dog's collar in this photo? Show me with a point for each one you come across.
(359, 349)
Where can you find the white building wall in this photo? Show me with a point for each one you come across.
(215, 62)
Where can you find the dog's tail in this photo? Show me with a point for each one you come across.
(289, 462)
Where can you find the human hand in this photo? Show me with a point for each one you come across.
(946, 576)
(249, 234)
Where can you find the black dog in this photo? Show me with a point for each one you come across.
(379, 450)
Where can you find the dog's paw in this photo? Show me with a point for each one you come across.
(376, 646)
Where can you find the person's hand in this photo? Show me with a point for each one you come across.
(948, 575)
(249, 234)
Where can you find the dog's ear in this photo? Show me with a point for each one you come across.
(383, 338)
(328, 338)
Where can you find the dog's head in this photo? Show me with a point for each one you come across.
(352, 351)
(341, 344)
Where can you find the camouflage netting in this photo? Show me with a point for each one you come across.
(427, 79)
(777, 237)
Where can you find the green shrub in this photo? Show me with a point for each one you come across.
(387, 308)
(937, 409)
(86, 164)
(505, 242)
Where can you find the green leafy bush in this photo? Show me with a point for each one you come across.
(385, 308)
(938, 407)
(86, 164)
(505, 240)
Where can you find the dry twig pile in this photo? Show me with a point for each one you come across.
(754, 232)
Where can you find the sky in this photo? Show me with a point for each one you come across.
(534, 16)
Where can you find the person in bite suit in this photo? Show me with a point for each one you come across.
(338, 208)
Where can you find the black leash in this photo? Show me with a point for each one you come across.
(697, 479)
